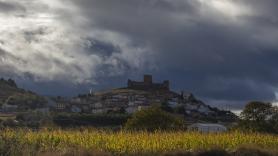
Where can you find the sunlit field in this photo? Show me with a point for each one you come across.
(14, 142)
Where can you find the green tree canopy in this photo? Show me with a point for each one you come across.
(256, 111)
(260, 117)
(153, 118)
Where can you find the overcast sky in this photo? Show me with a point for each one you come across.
(223, 51)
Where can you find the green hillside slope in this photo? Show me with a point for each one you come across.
(10, 94)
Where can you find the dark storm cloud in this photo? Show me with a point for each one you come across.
(101, 48)
(222, 54)
(137, 19)
(221, 50)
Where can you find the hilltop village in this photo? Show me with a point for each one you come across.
(141, 95)
(137, 95)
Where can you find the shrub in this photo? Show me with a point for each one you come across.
(96, 120)
(166, 107)
(10, 123)
(153, 119)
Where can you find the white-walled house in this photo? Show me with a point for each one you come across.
(207, 128)
(98, 110)
(143, 107)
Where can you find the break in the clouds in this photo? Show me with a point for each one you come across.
(225, 51)
(49, 40)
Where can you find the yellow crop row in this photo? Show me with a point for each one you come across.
(130, 142)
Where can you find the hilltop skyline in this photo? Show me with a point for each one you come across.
(223, 51)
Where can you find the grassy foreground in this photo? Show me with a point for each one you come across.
(27, 142)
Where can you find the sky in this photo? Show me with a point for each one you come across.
(223, 51)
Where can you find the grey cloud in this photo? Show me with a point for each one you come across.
(101, 48)
(201, 43)
(7, 7)
(33, 35)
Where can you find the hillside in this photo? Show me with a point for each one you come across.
(183, 103)
(7, 89)
(131, 100)
(139, 95)
(11, 95)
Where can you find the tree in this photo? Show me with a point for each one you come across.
(165, 106)
(274, 119)
(259, 116)
(256, 111)
(152, 119)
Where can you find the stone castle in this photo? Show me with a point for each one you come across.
(148, 84)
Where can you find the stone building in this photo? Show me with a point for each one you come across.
(148, 84)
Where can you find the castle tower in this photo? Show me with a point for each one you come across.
(148, 84)
(148, 79)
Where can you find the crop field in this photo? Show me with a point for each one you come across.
(17, 142)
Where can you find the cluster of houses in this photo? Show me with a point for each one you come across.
(136, 96)
(125, 100)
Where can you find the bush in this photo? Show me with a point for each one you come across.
(10, 123)
(96, 120)
(153, 119)
(253, 126)
(165, 107)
